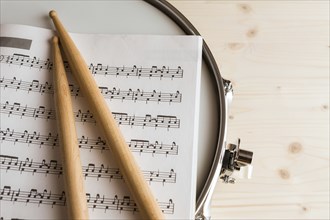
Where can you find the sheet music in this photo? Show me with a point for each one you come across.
(151, 84)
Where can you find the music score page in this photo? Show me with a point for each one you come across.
(152, 86)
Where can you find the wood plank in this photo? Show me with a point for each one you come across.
(276, 53)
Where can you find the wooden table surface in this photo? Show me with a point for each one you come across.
(276, 53)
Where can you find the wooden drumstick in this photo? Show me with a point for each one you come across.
(74, 182)
(133, 176)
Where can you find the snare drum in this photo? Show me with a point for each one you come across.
(154, 17)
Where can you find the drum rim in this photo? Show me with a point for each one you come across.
(220, 100)
(211, 64)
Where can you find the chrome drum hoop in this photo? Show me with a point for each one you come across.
(210, 62)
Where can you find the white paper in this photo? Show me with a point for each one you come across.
(152, 86)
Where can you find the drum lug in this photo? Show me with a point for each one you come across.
(236, 163)
(229, 91)
(227, 86)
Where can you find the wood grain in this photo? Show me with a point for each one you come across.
(276, 53)
(74, 182)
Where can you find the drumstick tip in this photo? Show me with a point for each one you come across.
(52, 14)
(55, 40)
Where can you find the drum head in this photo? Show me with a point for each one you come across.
(129, 17)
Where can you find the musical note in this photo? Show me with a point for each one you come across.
(135, 145)
(27, 61)
(43, 197)
(153, 101)
(160, 121)
(5, 191)
(114, 93)
(53, 168)
(32, 196)
(100, 69)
